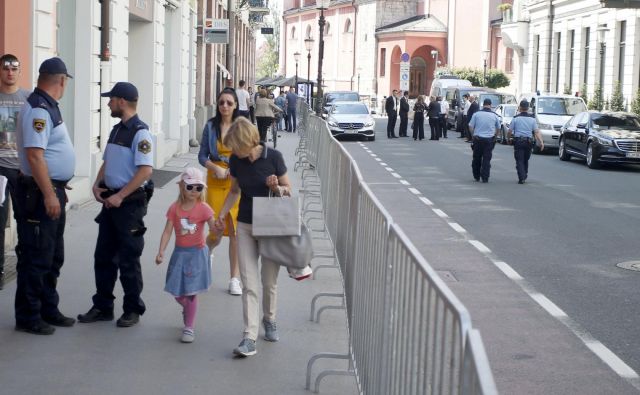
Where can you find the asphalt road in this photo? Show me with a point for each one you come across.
(564, 231)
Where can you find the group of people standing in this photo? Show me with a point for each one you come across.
(435, 110)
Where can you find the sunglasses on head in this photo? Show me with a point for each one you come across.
(190, 187)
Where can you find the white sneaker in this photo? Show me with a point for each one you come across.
(188, 336)
(234, 286)
(301, 274)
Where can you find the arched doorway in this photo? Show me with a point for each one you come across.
(417, 76)
(394, 69)
(427, 67)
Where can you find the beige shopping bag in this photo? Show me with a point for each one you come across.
(276, 216)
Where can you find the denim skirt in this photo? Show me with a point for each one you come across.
(189, 271)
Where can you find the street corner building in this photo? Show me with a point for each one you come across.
(155, 44)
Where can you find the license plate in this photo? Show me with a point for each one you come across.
(633, 154)
(354, 131)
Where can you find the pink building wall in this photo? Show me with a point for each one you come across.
(15, 35)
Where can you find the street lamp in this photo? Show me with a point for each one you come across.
(359, 69)
(485, 56)
(602, 33)
(322, 5)
(296, 57)
(308, 44)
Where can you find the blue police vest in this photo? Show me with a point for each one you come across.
(41, 126)
(129, 146)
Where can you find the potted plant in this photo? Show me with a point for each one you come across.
(506, 9)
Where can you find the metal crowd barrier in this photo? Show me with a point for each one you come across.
(408, 333)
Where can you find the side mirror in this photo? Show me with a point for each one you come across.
(581, 126)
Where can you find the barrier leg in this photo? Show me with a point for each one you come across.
(313, 359)
(315, 299)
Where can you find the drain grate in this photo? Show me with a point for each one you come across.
(630, 265)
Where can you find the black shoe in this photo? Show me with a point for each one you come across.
(485, 180)
(59, 320)
(1, 280)
(128, 319)
(94, 315)
(520, 181)
(36, 328)
(477, 179)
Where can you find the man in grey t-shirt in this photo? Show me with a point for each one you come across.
(11, 100)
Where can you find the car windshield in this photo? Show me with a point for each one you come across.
(347, 96)
(560, 106)
(615, 121)
(509, 111)
(495, 99)
(349, 109)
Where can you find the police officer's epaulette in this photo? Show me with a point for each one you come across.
(37, 101)
(140, 125)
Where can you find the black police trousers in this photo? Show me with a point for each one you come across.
(482, 152)
(40, 253)
(119, 247)
(522, 153)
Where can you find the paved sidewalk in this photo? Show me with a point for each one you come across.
(148, 358)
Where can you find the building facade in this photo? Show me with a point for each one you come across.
(364, 40)
(566, 45)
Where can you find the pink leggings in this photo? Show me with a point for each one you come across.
(190, 305)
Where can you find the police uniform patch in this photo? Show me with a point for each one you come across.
(144, 146)
(39, 124)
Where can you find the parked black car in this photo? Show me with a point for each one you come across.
(601, 137)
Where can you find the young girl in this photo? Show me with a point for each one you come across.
(189, 271)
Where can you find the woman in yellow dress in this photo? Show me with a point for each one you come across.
(214, 156)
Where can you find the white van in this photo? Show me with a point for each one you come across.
(444, 83)
(552, 111)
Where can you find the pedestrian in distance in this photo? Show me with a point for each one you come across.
(473, 108)
(524, 129)
(391, 106)
(418, 119)
(244, 100)
(252, 104)
(265, 113)
(404, 114)
(485, 126)
(12, 98)
(256, 171)
(464, 124)
(47, 163)
(444, 111)
(433, 111)
(123, 186)
(281, 102)
(189, 270)
(292, 102)
(214, 156)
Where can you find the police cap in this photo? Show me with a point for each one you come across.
(54, 66)
(124, 90)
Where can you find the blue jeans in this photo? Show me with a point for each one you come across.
(291, 119)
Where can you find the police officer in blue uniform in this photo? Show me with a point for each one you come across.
(524, 129)
(122, 186)
(47, 163)
(485, 125)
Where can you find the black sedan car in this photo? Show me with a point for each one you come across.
(601, 137)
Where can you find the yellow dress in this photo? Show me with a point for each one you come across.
(217, 190)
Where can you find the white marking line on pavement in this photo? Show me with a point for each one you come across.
(440, 213)
(388, 169)
(612, 360)
(457, 227)
(480, 247)
(379, 160)
(374, 155)
(396, 175)
(404, 182)
(508, 270)
(383, 164)
(548, 305)
(424, 199)
(415, 191)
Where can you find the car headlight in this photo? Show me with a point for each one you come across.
(545, 126)
(369, 124)
(333, 123)
(604, 141)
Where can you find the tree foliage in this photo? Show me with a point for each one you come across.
(268, 62)
(567, 89)
(635, 103)
(617, 100)
(495, 78)
(597, 101)
(583, 93)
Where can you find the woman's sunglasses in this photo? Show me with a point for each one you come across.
(198, 188)
(228, 103)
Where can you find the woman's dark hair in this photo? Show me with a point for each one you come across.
(217, 118)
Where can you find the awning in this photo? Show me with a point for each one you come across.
(225, 73)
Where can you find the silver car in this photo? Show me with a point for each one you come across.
(506, 113)
(351, 119)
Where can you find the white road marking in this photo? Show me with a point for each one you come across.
(612, 360)
(383, 164)
(507, 270)
(379, 160)
(548, 305)
(480, 247)
(374, 155)
(415, 191)
(396, 175)
(424, 199)
(440, 213)
(404, 182)
(388, 169)
(457, 227)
